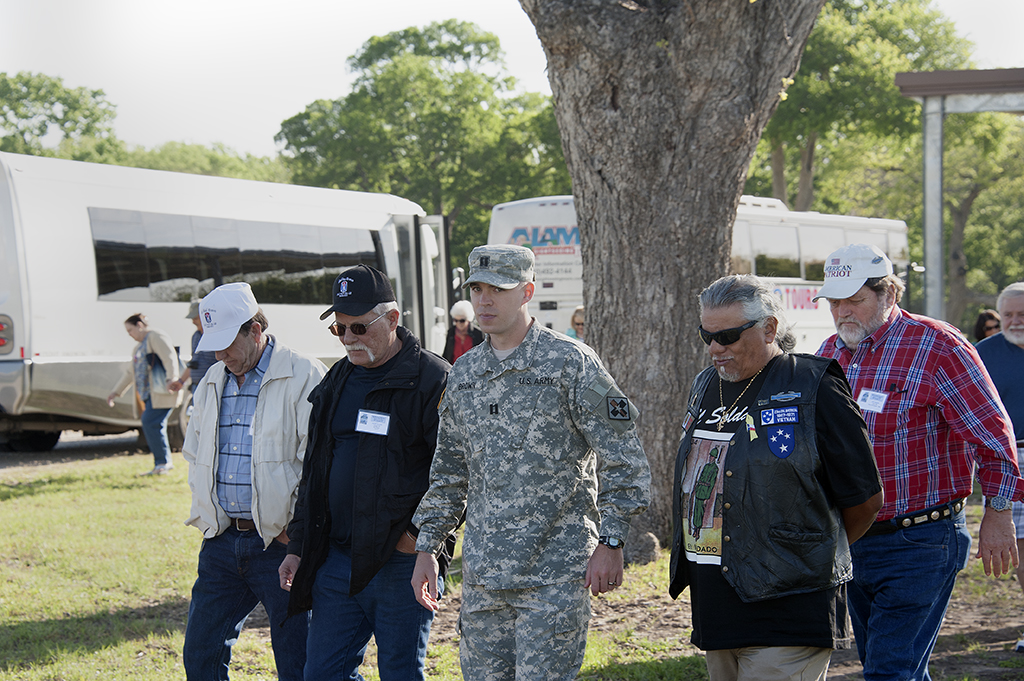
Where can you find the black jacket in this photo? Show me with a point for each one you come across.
(449, 344)
(392, 472)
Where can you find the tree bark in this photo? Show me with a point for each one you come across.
(660, 104)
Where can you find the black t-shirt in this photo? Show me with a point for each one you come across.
(720, 619)
(346, 447)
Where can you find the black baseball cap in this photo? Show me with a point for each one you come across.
(358, 290)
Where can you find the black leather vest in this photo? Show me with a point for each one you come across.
(781, 534)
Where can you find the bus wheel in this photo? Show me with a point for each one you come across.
(34, 441)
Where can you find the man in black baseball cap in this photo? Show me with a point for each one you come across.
(358, 290)
(352, 543)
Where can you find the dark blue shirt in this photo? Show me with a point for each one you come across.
(1005, 364)
(346, 447)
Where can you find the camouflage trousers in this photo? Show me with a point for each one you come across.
(519, 634)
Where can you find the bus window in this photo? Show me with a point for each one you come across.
(742, 262)
(776, 250)
(162, 257)
(816, 243)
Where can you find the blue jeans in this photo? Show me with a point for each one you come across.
(154, 427)
(341, 625)
(900, 589)
(236, 573)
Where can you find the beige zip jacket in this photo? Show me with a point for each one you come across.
(279, 431)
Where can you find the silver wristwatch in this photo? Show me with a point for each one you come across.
(998, 503)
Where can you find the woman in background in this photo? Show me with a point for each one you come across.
(462, 335)
(576, 330)
(988, 324)
(154, 366)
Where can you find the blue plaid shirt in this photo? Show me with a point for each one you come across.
(234, 465)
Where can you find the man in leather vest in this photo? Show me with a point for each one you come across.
(774, 480)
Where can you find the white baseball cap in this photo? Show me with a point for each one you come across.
(222, 312)
(847, 269)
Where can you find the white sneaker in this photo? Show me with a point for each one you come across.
(162, 469)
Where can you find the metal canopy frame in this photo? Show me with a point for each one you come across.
(941, 93)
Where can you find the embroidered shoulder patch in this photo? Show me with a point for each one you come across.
(618, 408)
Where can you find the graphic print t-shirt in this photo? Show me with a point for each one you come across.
(721, 620)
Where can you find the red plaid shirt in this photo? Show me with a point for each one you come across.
(942, 414)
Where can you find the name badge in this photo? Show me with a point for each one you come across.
(871, 400)
(373, 422)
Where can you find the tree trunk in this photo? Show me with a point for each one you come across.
(779, 189)
(660, 104)
(805, 192)
(956, 262)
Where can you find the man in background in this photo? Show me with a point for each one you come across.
(201, 360)
(1003, 355)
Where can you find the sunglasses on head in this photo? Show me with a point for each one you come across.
(725, 336)
(338, 330)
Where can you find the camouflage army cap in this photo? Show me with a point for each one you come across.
(504, 266)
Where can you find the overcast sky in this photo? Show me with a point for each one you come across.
(230, 71)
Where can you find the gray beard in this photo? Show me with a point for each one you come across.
(1015, 336)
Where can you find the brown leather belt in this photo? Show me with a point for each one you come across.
(242, 524)
(928, 515)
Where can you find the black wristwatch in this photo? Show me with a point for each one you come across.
(611, 542)
(998, 503)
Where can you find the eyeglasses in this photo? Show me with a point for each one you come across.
(725, 336)
(338, 330)
(992, 327)
(460, 321)
(579, 324)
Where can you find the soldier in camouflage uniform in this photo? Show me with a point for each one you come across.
(538, 448)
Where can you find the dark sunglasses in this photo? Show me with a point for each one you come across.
(992, 327)
(338, 330)
(725, 336)
(460, 321)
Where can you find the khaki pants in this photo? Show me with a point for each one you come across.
(765, 663)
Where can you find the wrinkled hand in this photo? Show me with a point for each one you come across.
(289, 566)
(997, 542)
(174, 386)
(604, 570)
(424, 580)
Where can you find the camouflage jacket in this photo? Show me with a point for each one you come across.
(539, 451)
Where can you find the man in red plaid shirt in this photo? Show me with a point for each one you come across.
(934, 416)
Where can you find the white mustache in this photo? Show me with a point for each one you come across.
(360, 346)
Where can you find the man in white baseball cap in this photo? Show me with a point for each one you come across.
(847, 269)
(248, 431)
(934, 418)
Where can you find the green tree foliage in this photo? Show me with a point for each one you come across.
(845, 87)
(218, 160)
(35, 108)
(434, 118)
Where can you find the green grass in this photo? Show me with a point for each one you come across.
(97, 567)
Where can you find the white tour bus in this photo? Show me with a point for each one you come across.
(769, 240)
(84, 246)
